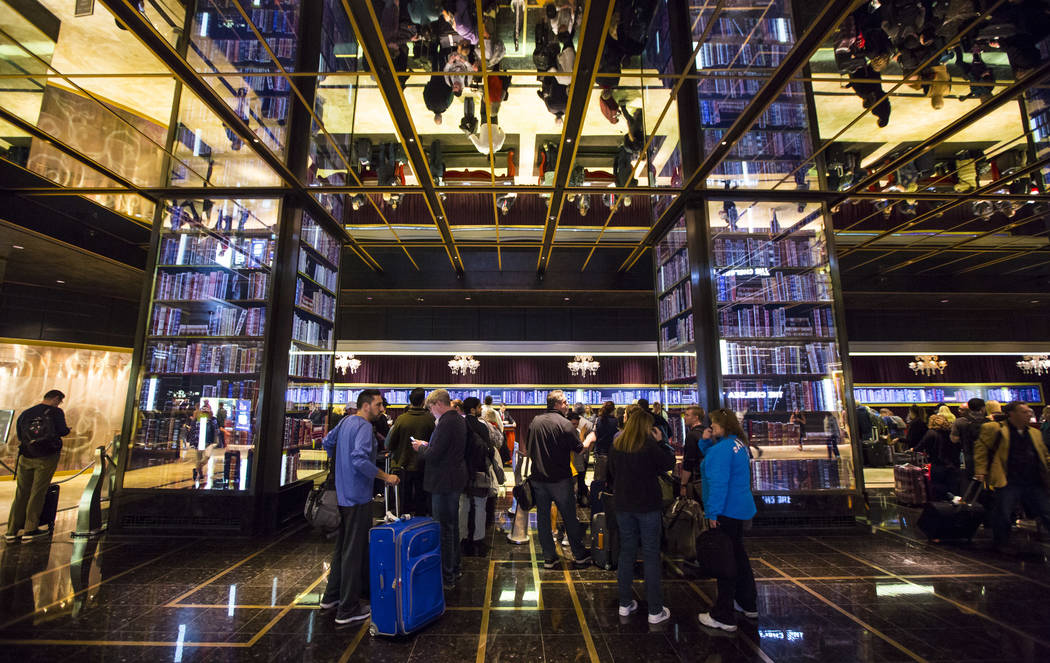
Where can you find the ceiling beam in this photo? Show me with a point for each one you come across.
(370, 38)
(800, 54)
(595, 26)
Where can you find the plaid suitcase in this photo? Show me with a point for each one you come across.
(909, 483)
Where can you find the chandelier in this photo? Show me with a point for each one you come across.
(582, 365)
(927, 365)
(1037, 364)
(346, 361)
(462, 364)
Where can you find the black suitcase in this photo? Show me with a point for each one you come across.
(50, 509)
(945, 521)
(605, 540)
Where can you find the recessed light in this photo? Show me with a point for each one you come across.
(419, 299)
(411, 140)
(568, 140)
(468, 299)
(17, 247)
(60, 281)
(255, 140)
(1035, 301)
(369, 299)
(724, 142)
(944, 301)
(566, 298)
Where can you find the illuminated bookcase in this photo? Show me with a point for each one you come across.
(310, 359)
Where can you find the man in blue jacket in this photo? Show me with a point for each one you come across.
(353, 445)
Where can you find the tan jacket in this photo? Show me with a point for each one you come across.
(996, 473)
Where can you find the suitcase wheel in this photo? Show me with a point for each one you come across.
(372, 630)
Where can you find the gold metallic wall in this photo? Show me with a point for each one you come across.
(95, 382)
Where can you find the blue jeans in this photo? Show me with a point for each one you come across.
(562, 494)
(1036, 502)
(445, 507)
(644, 528)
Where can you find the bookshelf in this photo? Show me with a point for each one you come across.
(531, 396)
(674, 304)
(198, 399)
(771, 278)
(310, 358)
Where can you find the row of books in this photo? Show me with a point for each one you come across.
(760, 28)
(779, 287)
(200, 286)
(678, 300)
(781, 433)
(744, 359)
(762, 143)
(300, 396)
(240, 52)
(681, 331)
(740, 54)
(672, 271)
(265, 83)
(797, 474)
(314, 236)
(763, 322)
(223, 321)
(518, 397)
(679, 368)
(317, 271)
(753, 167)
(239, 389)
(764, 252)
(316, 302)
(672, 242)
(768, 396)
(300, 432)
(234, 252)
(184, 357)
(779, 114)
(289, 467)
(312, 332)
(317, 367)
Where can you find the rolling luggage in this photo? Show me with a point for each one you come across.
(877, 454)
(909, 484)
(605, 541)
(404, 566)
(945, 521)
(50, 509)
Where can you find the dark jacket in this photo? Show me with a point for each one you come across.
(413, 422)
(633, 476)
(937, 444)
(445, 469)
(692, 455)
(916, 430)
(551, 441)
(604, 430)
(41, 449)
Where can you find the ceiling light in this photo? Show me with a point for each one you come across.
(255, 140)
(944, 301)
(1037, 364)
(344, 361)
(467, 298)
(369, 299)
(20, 248)
(60, 281)
(928, 365)
(461, 364)
(566, 299)
(581, 365)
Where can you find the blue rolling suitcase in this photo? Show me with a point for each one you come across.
(404, 558)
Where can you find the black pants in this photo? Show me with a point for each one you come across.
(348, 577)
(414, 499)
(740, 588)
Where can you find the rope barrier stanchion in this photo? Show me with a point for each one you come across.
(89, 511)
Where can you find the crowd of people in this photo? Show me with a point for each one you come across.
(446, 460)
(930, 41)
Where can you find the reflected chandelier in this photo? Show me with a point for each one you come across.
(927, 365)
(346, 361)
(462, 364)
(581, 365)
(1037, 364)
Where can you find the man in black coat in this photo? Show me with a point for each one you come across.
(445, 477)
(414, 423)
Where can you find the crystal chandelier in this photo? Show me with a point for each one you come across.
(1037, 364)
(581, 365)
(345, 361)
(927, 365)
(462, 364)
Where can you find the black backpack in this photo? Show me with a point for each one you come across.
(40, 435)
(476, 452)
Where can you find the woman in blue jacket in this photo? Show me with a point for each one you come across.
(728, 505)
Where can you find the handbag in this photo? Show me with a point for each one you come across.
(667, 489)
(714, 553)
(523, 495)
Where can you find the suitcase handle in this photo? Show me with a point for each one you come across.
(977, 493)
(390, 516)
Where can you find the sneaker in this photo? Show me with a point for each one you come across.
(661, 616)
(628, 610)
(363, 612)
(326, 606)
(750, 614)
(707, 620)
(583, 560)
(38, 533)
(551, 563)
(565, 540)
(11, 538)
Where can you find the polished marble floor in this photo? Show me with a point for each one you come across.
(873, 595)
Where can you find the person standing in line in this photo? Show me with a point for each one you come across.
(799, 419)
(1013, 458)
(606, 426)
(967, 429)
(638, 458)
(581, 461)
(917, 427)
(415, 422)
(445, 477)
(944, 458)
(353, 444)
(728, 505)
(693, 454)
(479, 481)
(833, 432)
(40, 430)
(551, 441)
(489, 414)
